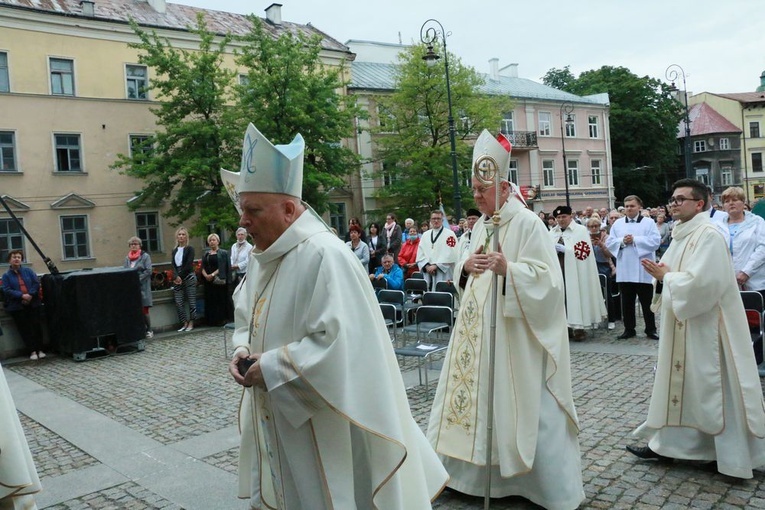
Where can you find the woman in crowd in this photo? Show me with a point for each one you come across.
(424, 227)
(184, 280)
(359, 247)
(665, 232)
(393, 236)
(605, 262)
(377, 247)
(355, 221)
(216, 272)
(746, 241)
(22, 302)
(407, 257)
(141, 261)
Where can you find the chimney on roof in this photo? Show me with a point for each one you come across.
(88, 8)
(274, 14)
(761, 88)
(158, 5)
(494, 68)
(512, 70)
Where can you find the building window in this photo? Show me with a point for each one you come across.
(513, 173)
(757, 162)
(570, 126)
(385, 120)
(5, 82)
(699, 146)
(754, 129)
(11, 237)
(68, 153)
(724, 144)
(702, 174)
(137, 82)
(147, 229)
(337, 218)
(596, 172)
(74, 237)
(467, 178)
(7, 153)
(507, 125)
(593, 125)
(545, 123)
(726, 175)
(573, 172)
(388, 176)
(62, 76)
(140, 144)
(548, 172)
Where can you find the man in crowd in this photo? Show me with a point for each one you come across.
(463, 246)
(633, 238)
(536, 450)
(307, 320)
(707, 402)
(585, 308)
(389, 272)
(437, 252)
(240, 254)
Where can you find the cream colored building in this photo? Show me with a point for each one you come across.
(72, 96)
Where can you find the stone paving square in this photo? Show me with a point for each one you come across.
(158, 430)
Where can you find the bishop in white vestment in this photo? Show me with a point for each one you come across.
(707, 400)
(535, 453)
(324, 419)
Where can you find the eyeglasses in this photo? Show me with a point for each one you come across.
(679, 200)
(436, 219)
(481, 190)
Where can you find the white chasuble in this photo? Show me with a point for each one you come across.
(532, 376)
(706, 387)
(333, 429)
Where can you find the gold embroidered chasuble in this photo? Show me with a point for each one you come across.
(702, 317)
(532, 346)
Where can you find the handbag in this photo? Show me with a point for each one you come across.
(218, 280)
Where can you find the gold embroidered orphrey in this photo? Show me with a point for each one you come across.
(485, 169)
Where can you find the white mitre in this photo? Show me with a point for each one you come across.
(489, 151)
(266, 168)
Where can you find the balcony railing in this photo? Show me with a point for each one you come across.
(522, 139)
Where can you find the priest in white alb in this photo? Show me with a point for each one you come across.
(706, 403)
(585, 307)
(535, 453)
(437, 252)
(324, 419)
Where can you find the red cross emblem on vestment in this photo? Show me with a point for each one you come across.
(451, 242)
(582, 250)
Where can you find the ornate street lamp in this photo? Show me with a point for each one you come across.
(430, 35)
(672, 74)
(567, 107)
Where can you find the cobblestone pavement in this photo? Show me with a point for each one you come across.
(178, 391)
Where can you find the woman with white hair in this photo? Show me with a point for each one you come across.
(746, 241)
(141, 261)
(216, 272)
(240, 255)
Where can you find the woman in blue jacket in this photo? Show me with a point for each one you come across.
(22, 302)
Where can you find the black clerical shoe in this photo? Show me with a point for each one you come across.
(652, 336)
(644, 452)
(626, 335)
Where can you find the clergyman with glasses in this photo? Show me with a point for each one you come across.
(437, 252)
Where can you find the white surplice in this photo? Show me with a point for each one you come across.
(18, 476)
(585, 307)
(707, 400)
(646, 240)
(334, 429)
(535, 453)
(438, 247)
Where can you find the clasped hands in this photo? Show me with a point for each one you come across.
(480, 262)
(253, 376)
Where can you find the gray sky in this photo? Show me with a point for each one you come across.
(718, 44)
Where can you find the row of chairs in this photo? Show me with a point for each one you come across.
(754, 306)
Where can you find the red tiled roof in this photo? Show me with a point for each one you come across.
(176, 17)
(706, 121)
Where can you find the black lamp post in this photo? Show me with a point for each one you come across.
(567, 107)
(672, 73)
(429, 35)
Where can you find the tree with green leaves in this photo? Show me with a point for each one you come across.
(414, 147)
(179, 165)
(289, 90)
(643, 124)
